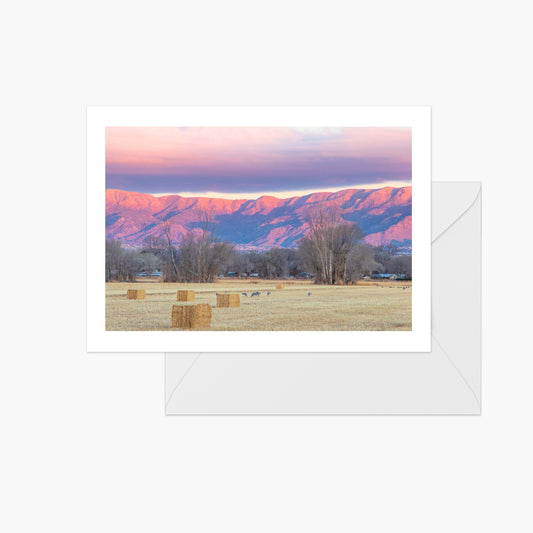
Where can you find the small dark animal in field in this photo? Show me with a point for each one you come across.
(256, 293)
(245, 294)
(268, 293)
(308, 294)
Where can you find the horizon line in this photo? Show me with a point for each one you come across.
(275, 194)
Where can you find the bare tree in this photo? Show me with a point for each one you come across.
(149, 262)
(360, 261)
(121, 264)
(171, 254)
(328, 244)
(201, 254)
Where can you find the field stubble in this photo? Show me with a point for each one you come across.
(368, 306)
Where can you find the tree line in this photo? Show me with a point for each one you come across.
(333, 252)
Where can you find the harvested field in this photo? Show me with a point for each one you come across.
(368, 306)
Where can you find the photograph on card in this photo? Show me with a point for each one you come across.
(258, 228)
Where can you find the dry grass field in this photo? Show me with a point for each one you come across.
(368, 306)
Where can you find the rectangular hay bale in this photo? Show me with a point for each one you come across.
(280, 286)
(136, 294)
(180, 316)
(228, 300)
(185, 296)
(191, 316)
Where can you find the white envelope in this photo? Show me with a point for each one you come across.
(446, 380)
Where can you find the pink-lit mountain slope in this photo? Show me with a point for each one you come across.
(384, 215)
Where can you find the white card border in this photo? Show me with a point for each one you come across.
(417, 340)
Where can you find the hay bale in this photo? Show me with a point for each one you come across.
(192, 316)
(201, 316)
(180, 316)
(185, 296)
(228, 300)
(280, 286)
(136, 294)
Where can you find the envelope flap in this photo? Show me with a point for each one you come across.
(450, 203)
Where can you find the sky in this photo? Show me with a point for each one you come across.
(248, 162)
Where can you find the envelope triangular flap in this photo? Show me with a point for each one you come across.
(456, 281)
(452, 205)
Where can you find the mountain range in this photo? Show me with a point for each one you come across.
(383, 214)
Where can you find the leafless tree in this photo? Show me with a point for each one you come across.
(121, 264)
(328, 244)
(361, 260)
(201, 255)
(149, 262)
(171, 254)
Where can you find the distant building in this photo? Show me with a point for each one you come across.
(379, 275)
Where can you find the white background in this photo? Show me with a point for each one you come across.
(85, 445)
